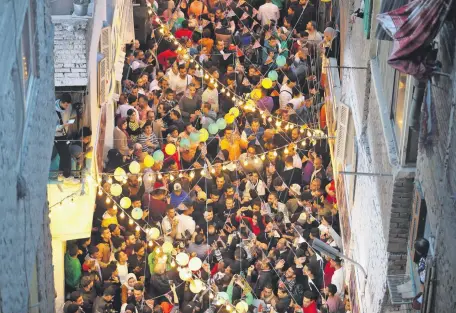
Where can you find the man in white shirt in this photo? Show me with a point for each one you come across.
(277, 207)
(210, 95)
(123, 108)
(286, 92)
(338, 276)
(169, 224)
(268, 12)
(122, 265)
(180, 82)
(314, 36)
(138, 62)
(255, 183)
(186, 222)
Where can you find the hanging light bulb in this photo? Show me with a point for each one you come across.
(99, 180)
(171, 177)
(151, 243)
(108, 200)
(109, 180)
(269, 119)
(309, 133)
(130, 222)
(206, 76)
(191, 60)
(287, 127)
(150, 12)
(234, 98)
(140, 179)
(100, 192)
(171, 36)
(138, 228)
(263, 157)
(275, 153)
(157, 250)
(114, 207)
(223, 89)
(159, 176)
(203, 172)
(246, 163)
(301, 130)
(211, 296)
(278, 123)
(215, 85)
(181, 175)
(256, 161)
(303, 143)
(122, 215)
(286, 151)
(213, 170)
(192, 174)
(211, 80)
(223, 168)
(173, 264)
(165, 258)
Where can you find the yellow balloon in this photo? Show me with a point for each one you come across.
(255, 94)
(167, 247)
(134, 167)
(229, 118)
(120, 174)
(204, 134)
(234, 111)
(125, 202)
(250, 103)
(149, 161)
(170, 149)
(116, 190)
(266, 83)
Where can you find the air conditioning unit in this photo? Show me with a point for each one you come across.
(343, 114)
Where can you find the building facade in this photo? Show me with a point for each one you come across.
(88, 50)
(26, 138)
(395, 179)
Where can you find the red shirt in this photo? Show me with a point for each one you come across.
(183, 32)
(164, 56)
(328, 271)
(312, 308)
(255, 228)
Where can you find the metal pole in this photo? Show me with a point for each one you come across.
(366, 174)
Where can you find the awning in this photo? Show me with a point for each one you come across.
(413, 27)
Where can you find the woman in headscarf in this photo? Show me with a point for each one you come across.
(122, 138)
(133, 127)
(329, 49)
(127, 287)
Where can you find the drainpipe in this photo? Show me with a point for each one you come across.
(419, 88)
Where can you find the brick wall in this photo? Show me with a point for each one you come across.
(70, 50)
(436, 172)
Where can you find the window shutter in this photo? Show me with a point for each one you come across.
(105, 43)
(418, 221)
(102, 85)
(367, 17)
(343, 113)
(129, 27)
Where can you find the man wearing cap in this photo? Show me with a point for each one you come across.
(177, 196)
(186, 224)
(292, 204)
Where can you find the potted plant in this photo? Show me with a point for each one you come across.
(80, 7)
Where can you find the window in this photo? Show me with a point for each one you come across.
(28, 47)
(397, 113)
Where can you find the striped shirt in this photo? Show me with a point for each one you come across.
(143, 138)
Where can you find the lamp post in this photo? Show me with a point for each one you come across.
(324, 248)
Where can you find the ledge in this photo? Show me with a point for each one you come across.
(388, 133)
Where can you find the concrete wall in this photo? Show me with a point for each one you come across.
(382, 204)
(26, 138)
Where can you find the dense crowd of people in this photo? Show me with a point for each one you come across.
(247, 200)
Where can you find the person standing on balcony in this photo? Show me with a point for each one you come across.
(63, 111)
